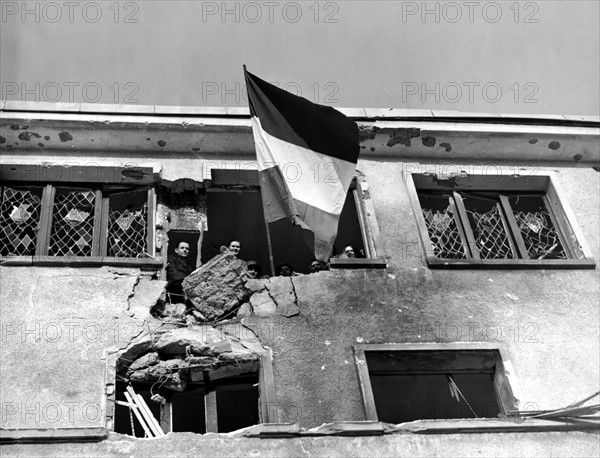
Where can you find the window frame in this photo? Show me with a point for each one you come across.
(571, 237)
(53, 176)
(236, 180)
(268, 408)
(507, 391)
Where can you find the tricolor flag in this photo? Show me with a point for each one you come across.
(306, 156)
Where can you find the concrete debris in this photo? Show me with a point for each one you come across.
(179, 356)
(217, 288)
(274, 296)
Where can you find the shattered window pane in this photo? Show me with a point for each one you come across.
(537, 229)
(19, 220)
(491, 236)
(127, 224)
(72, 222)
(441, 227)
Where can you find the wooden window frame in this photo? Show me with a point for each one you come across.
(579, 255)
(268, 410)
(507, 392)
(236, 180)
(93, 177)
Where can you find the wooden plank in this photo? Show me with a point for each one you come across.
(268, 402)
(362, 222)
(489, 425)
(138, 415)
(500, 182)
(210, 412)
(365, 383)
(103, 235)
(145, 412)
(59, 173)
(413, 197)
(53, 435)
(234, 177)
(464, 226)
(513, 248)
(151, 223)
(45, 226)
(358, 263)
(514, 228)
(98, 221)
(512, 263)
(373, 234)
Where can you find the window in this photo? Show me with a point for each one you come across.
(235, 212)
(495, 221)
(77, 215)
(221, 406)
(407, 382)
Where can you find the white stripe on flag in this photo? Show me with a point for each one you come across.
(313, 178)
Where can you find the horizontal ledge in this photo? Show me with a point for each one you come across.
(72, 261)
(22, 436)
(358, 263)
(435, 263)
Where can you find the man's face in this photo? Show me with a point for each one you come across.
(235, 247)
(285, 271)
(349, 251)
(315, 266)
(183, 249)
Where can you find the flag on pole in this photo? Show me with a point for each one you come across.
(306, 156)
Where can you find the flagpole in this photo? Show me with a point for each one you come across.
(271, 262)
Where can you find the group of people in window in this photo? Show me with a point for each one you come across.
(178, 266)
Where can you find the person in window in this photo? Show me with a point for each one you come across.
(315, 266)
(178, 267)
(235, 247)
(285, 270)
(349, 252)
(254, 269)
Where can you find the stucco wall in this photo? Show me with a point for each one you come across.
(57, 324)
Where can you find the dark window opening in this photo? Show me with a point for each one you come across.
(239, 215)
(191, 237)
(221, 406)
(407, 385)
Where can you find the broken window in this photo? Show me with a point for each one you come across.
(405, 382)
(219, 406)
(235, 212)
(104, 221)
(495, 220)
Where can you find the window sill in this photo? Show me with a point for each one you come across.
(76, 261)
(435, 263)
(358, 263)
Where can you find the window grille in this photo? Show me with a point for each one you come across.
(19, 220)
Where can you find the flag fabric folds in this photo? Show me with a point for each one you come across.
(306, 156)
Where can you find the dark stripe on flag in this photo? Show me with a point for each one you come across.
(296, 120)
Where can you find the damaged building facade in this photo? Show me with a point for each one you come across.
(469, 319)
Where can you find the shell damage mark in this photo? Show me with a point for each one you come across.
(195, 150)
(428, 141)
(41, 145)
(17, 127)
(449, 182)
(554, 145)
(372, 148)
(147, 139)
(133, 174)
(161, 143)
(447, 146)
(26, 136)
(577, 157)
(366, 133)
(403, 136)
(65, 136)
(533, 141)
(2, 139)
(47, 138)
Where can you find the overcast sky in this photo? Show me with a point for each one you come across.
(506, 56)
